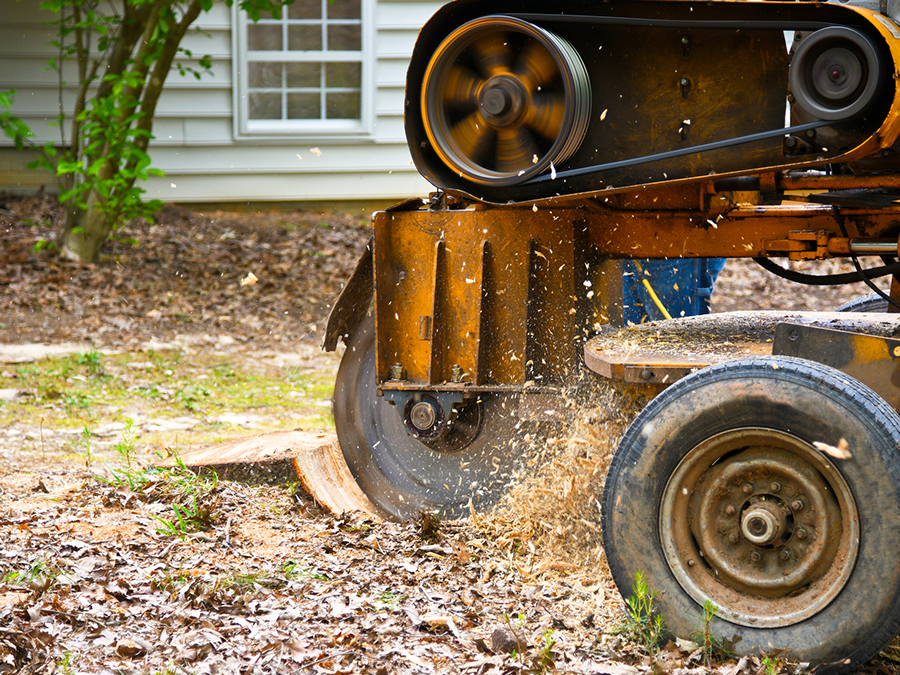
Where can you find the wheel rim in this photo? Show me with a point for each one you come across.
(762, 524)
(503, 99)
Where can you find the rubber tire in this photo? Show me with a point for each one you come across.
(868, 303)
(802, 398)
(399, 474)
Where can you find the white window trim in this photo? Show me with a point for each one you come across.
(312, 130)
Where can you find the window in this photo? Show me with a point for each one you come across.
(305, 72)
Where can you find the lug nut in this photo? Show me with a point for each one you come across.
(691, 562)
(733, 537)
(755, 556)
(797, 505)
(747, 488)
(801, 533)
(775, 487)
(729, 510)
(785, 554)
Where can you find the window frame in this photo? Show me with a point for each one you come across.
(318, 129)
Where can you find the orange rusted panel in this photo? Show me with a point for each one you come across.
(495, 289)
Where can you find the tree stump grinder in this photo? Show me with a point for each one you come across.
(565, 137)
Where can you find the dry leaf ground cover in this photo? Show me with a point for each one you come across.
(107, 566)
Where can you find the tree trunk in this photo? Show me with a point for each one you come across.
(84, 232)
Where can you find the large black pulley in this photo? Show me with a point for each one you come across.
(835, 73)
(771, 487)
(504, 100)
(404, 457)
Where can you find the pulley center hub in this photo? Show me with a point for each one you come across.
(502, 100)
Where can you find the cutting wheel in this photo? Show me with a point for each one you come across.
(402, 475)
(504, 100)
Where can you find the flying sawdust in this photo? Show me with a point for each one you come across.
(553, 505)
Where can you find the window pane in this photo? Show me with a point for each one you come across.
(304, 38)
(264, 37)
(342, 106)
(305, 9)
(344, 38)
(265, 106)
(304, 107)
(344, 75)
(344, 9)
(264, 75)
(303, 75)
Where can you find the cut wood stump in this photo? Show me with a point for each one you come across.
(312, 458)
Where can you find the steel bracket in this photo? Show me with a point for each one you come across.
(873, 360)
(801, 245)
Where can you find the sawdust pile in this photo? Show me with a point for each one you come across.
(552, 511)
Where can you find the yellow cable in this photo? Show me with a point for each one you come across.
(656, 300)
(653, 295)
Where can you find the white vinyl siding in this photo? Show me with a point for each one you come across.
(197, 143)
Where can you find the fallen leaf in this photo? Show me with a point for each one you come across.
(839, 452)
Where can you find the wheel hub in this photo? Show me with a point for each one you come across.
(758, 522)
(764, 522)
(423, 416)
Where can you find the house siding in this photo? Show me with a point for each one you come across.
(195, 141)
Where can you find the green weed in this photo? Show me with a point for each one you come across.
(192, 517)
(388, 599)
(293, 570)
(93, 360)
(544, 660)
(709, 642)
(643, 625)
(65, 664)
(712, 646)
(125, 447)
(76, 402)
(86, 436)
(191, 395)
(39, 576)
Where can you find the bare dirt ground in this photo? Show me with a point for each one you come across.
(113, 568)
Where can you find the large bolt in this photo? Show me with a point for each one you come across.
(456, 373)
(397, 371)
